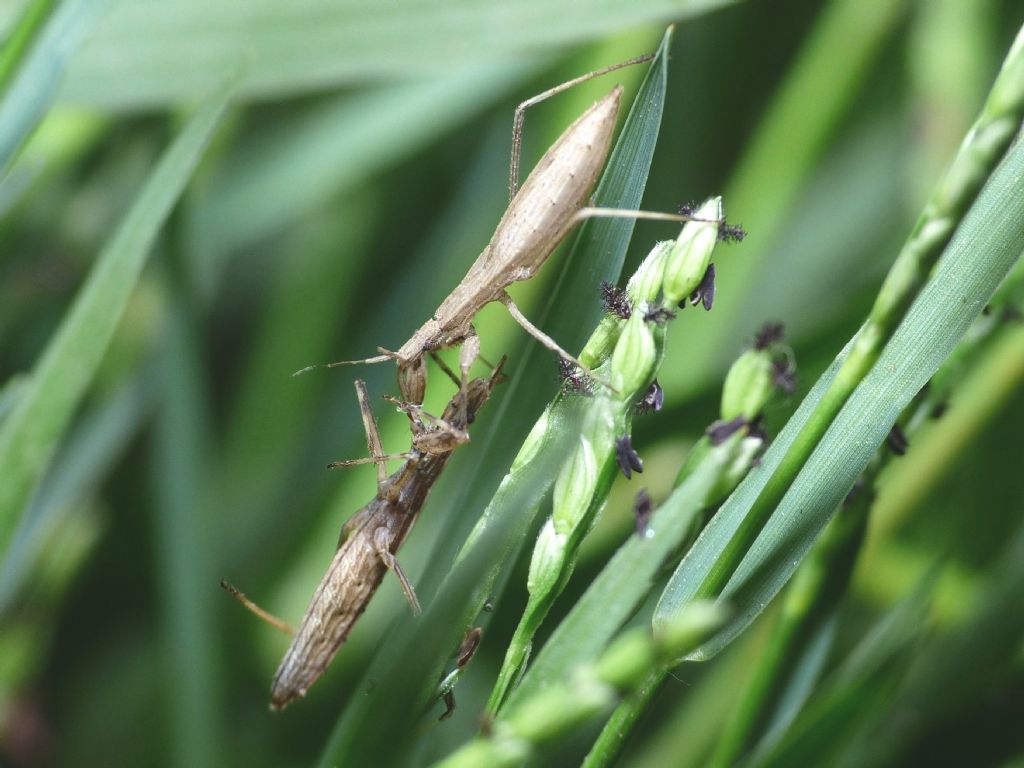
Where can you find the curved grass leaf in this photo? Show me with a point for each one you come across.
(950, 674)
(184, 567)
(864, 680)
(31, 81)
(986, 246)
(411, 661)
(19, 39)
(83, 460)
(31, 433)
(148, 54)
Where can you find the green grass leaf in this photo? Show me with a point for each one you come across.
(83, 461)
(950, 675)
(986, 246)
(154, 53)
(33, 430)
(33, 65)
(857, 687)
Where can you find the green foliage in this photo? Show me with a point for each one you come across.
(31, 432)
(167, 266)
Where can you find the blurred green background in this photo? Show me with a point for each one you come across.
(357, 174)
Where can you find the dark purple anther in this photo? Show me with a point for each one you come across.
(731, 233)
(784, 375)
(653, 399)
(756, 429)
(659, 315)
(705, 292)
(770, 333)
(720, 431)
(642, 508)
(897, 441)
(688, 209)
(628, 459)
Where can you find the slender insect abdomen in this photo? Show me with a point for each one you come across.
(561, 183)
(341, 597)
(356, 572)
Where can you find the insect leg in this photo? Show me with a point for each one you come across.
(546, 340)
(626, 213)
(466, 650)
(417, 414)
(381, 543)
(378, 460)
(249, 605)
(444, 367)
(468, 354)
(373, 442)
(520, 115)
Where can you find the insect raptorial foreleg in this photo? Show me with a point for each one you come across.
(520, 115)
(468, 353)
(444, 439)
(444, 367)
(412, 379)
(249, 605)
(546, 340)
(373, 441)
(463, 655)
(381, 543)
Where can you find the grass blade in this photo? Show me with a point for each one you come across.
(981, 150)
(31, 433)
(135, 58)
(181, 446)
(987, 245)
(863, 681)
(30, 80)
(951, 675)
(82, 462)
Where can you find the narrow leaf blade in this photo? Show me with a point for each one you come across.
(33, 430)
(987, 245)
